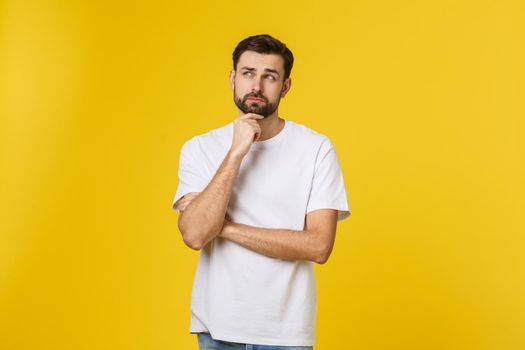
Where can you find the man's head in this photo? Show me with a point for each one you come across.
(261, 69)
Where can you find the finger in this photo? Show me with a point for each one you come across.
(190, 196)
(187, 199)
(257, 134)
(253, 123)
(252, 116)
(180, 206)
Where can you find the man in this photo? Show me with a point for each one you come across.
(260, 198)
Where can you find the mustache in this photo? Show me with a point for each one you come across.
(255, 95)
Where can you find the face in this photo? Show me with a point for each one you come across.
(258, 84)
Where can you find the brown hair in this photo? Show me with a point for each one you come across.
(265, 44)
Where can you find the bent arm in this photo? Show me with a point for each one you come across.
(314, 243)
(203, 218)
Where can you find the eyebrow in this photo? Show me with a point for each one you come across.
(265, 69)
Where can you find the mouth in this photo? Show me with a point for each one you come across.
(255, 99)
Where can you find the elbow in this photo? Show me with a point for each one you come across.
(196, 236)
(195, 239)
(322, 259)
(190, 237)
(193, 243)
(195, 246)
(322, 255)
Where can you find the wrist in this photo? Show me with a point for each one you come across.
(227, 228)
(235, 155)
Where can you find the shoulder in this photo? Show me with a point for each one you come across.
(308, 136)
(211, 137)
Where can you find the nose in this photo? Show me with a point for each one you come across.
(256, 85)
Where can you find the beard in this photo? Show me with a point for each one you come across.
(265, 108)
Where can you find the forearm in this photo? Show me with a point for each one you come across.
(203, 218)
(277, 243)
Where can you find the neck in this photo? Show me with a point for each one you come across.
(270, 126)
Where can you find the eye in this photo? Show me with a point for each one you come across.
(247, 72)
(271, 77)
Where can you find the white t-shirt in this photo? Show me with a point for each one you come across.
(240, 295)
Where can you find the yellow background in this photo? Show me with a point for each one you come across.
(423, 100)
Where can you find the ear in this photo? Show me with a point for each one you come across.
(232, 78)
(286, 86)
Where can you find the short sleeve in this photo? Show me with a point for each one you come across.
(191, 172)
(328, 187)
